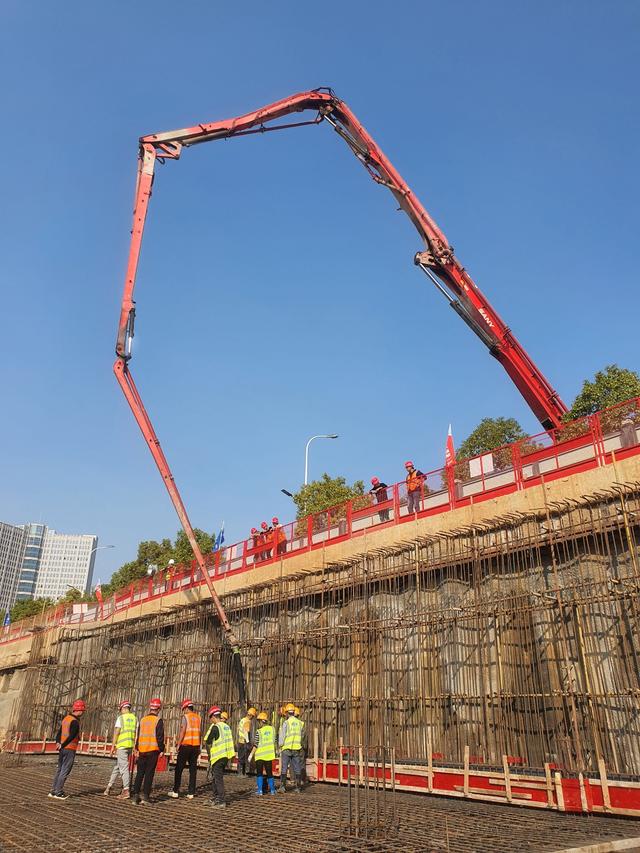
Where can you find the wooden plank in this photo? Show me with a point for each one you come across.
(604, 782)
(507, 778)
(466, 770)
(492, 794)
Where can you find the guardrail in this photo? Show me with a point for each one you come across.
(577, 446)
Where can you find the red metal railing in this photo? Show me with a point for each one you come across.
(577, 446)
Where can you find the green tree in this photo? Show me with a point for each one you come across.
(150, 552)
(182, 550)
(327, 492)
(29, 607)
(74, 596)
(489, 434)
(609, 386)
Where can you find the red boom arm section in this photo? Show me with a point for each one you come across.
(436, 259)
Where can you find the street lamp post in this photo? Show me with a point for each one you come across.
(306, 454)
(99, 548)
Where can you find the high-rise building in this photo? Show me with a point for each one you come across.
(38, 562)
(30, 560)
(12, 546)
(66, 562)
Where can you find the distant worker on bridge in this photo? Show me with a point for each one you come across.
(415, 480)
(379, 491)
(124, 738)
(149, 747)
(188, 749)
(279, 537)
(219, 743)
(266, 534)
(67, 744)
(256, 544)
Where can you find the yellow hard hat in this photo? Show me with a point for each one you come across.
(263, 716)
(296, 711)
(224, 716)
(252, 712)
(290, 708)
(282, 710)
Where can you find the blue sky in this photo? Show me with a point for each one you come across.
(277, 297)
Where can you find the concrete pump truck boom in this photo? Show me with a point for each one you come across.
(436, 259)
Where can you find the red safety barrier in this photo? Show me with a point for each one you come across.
(577, 446)
(548, 788)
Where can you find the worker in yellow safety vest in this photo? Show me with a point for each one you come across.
(149, 747)
(290, 742)
(219, 743)
(188, 749)
(305, 748)
(244, 740)
(124, 738)
(265, 746)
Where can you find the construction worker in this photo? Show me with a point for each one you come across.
(244, 740)
(415, 480)
(170, 571)
(188, 749)
(256, 542)
(290, 742)
(279, 537)
(219, 743)
(67, 743)
(149, 747)
(378, 490)
(267, 539)
(265, 746)
(305, 748)
(124, 738)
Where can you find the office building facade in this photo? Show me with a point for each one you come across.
(66, 562)
(12, 547)
(38, 562)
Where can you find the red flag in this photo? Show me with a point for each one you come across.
(98, 591)
(450, 453)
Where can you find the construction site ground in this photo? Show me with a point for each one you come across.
(316, 820)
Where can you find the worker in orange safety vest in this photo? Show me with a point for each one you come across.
(188, 749)
(279, 537)
(67, 744)
(415, 480)
(149, 747)
(256, 543)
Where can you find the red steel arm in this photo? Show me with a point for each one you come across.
(437, 260)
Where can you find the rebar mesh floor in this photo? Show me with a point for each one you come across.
(315, 821)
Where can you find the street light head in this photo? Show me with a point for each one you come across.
(334, 436)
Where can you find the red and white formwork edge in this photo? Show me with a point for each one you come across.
(550, 788)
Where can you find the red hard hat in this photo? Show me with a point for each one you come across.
(264, 524)
(155, 703)
(185, 704)
(274, 520)
(78, 705)
(374, 481)
(408, 464)
(254, 529)
(214, 710)
(123, 703)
